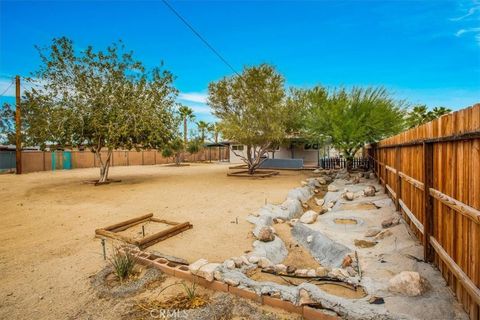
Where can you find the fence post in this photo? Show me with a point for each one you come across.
(398, 161)
(428, 201)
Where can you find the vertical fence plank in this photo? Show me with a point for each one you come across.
(428, 200)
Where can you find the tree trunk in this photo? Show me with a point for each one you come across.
(185, 138)
(104, 166)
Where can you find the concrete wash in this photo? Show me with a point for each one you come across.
(329, 243)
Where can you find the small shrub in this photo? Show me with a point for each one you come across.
(123, 263)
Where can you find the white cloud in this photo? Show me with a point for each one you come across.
(197, 97)
(469, 13)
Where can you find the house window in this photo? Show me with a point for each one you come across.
(237, 147)
(309, 146)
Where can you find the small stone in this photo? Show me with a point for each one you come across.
(332, 188)
(304, 205)
(311, 273)
(231, 282)
(319, 202)
(309, 217)
(278, 220)
(376, 300)
(280, 268)
(229, 264)
(264, 263)
(292, 222)
(408, 283)
(322, 181)
(390, 222)
(238, 262)
(322, 271)
(316, 191)
(356, 180)
(330, 204)
(253, 259)
(347, 261)
(364, 243)
(369, 191)
(309, 238)
(338, 273)
(218, 275)
(266, 234)
(349, 196)
(304, 183)
(372, 176)
(316, 171)
(383, 234)
(301, 272)
(372, 232)
(291, 269)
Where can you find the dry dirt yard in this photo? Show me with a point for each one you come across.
(48, 250)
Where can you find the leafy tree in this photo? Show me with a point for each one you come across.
(203, 128)
(174, 149)
(7, 124)
(194, 146)
(419, 115)
(186, 114)
(350, 119)
(102, 100)
(252, 110)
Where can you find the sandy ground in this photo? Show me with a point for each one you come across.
(48, 249)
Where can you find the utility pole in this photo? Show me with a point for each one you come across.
(18, 128)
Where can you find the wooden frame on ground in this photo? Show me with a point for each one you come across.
(112, 230)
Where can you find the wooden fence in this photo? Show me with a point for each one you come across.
(33, 161)
(433, 174)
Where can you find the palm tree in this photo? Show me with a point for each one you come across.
(186, 114)
(214, 130)
(420, 115)
(203, 128)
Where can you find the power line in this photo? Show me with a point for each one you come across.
(200, 36)
(5, 91)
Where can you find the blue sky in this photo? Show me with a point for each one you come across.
(423, 51)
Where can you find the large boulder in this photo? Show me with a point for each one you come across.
(204, 269)
(408, 283)
(301, 194)
(309, 217)
(323, 249)
(390, 222)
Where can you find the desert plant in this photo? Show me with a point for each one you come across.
(123, 263)
(190, 290)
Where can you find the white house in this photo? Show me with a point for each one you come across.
(309, 154)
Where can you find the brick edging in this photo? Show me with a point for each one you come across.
(182, 272)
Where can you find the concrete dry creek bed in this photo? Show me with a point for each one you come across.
(364, 256)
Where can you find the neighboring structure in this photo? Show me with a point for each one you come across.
(310, 155)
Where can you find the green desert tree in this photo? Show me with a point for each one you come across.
(174, 149)
(252, 110)
(102, 100)
(194, 146)
(350, 119)
(7, 124)
(420, 114)
(186, 114)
